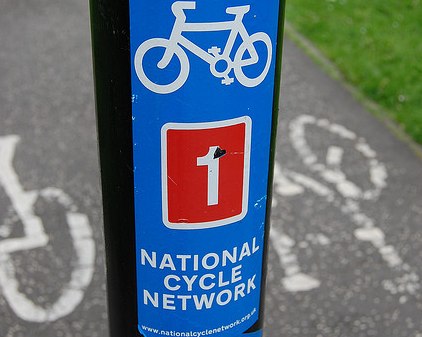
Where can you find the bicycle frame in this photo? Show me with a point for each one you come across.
(236, 27)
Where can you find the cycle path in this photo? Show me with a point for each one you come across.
(326, 277)
(48, 138)
(347, 215)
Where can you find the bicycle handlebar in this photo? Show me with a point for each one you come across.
(238, 10)
(179, 6)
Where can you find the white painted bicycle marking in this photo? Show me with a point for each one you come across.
(343, 194)
(334, 175)
(213, 56)
(295, 280)
(36, 237)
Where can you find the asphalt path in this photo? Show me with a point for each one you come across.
(346, 243)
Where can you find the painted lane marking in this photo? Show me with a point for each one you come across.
(22, 202)
(35, 237)
(348, 189)
(295, 280)
(344, 195)
(334, 156)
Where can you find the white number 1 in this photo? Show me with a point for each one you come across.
(212, 160)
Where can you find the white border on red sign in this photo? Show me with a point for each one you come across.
(246, 169)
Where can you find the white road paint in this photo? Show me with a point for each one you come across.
(409, 284)
(343, 194)
(35, 237)
(348, 189)
(318, 239)
(21, 201)
(311, 184)
(284, 186)
(334, 156)
(300, 282)
(295, 280)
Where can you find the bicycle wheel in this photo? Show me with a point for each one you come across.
(252, 79)
(154, 85)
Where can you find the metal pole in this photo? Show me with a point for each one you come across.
(187, 104)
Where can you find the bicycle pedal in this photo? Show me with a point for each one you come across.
(215, 51)
(227, 81)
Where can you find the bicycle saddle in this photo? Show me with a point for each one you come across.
(238, 9)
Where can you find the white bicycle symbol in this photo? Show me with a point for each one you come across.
(36, 237)
(214, 57)
(339, 190)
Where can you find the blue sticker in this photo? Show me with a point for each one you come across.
(203, 85)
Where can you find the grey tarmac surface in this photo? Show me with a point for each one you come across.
(346, 243)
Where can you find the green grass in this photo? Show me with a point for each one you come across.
(377, 46)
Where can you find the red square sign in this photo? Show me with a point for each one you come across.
(205, 173)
